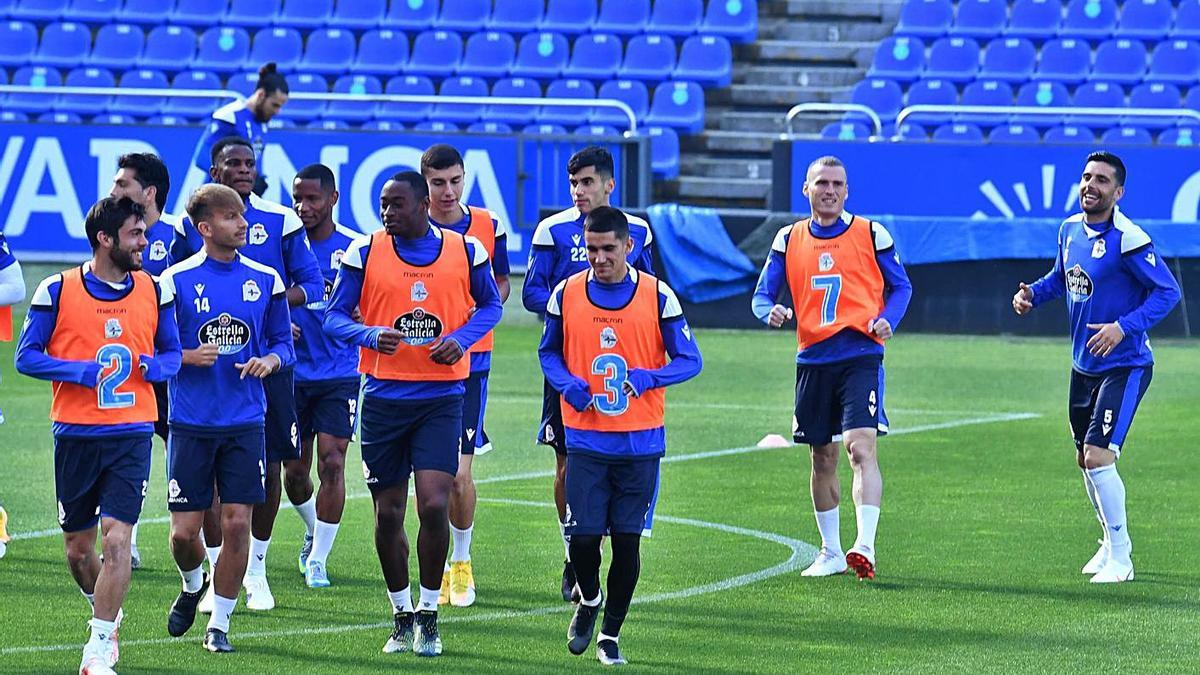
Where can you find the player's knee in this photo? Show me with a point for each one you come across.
(115, 538)
(235, 524)
(295, 475)
(433, 508)
(463, 481)
(389, 514)
(332, 466)
(182, 539)
(78, 553)
(1095, 457)
(824, 459)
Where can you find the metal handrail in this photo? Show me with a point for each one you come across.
(802, 108)
(1058, 111)
(129, 91)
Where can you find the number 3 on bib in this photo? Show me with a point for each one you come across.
(831, 286)
(614, 400)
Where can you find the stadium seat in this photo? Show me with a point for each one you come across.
(489, 128)
(436, 126)
(383, 125)
(284, 46)
(598, 130)
(987, 92)
(224, 49)
(1064, 60)
(18, 42)
(1187, 21)
(516, 16)
(648, 57)
(461, 113)
(541, 56)
(958, 132)
(355, 111)
(358, 14)
(1095, 94)
(570, 17)
(631, 92)
(1034, 19)
(13, 116)
(150, 12)
(193, 107)
(1192, 98)
(1158, 96)
(898, 58)
(953, 58)
(1014, 133)
(882, 96)
(329, 51)
(243, 83)
(1090, 19)
(925, 18)
(410, 15)
(707, 60)
(278, 122)
(980, 19)
(909, 131)
(33, 76)
(199, 12)
(488, 54)
(59, 118)
(252, 13)
(570, 89)
(735, 20)
(1069, 134)
(1184, 137)
(169, 48)
(96, 11)
(679, 105)
(515, 87)
(381, 52)
(1175, 61)
(435, 53)
(64, 45)
(846, 131)
(1041, 95)
(306, 14)
(1121, 61)
(465, 16)
(1009, 59)
(84, 104)
(168, 120)
(596, 56)
(1127, 136)
(328, 124)
(931, 92)
(305, 110)
(118, 46)
(38, 10)
(545, 130)
(679, 18)
(141, 106)
(1146, 19)
(623, 17)
(411, 85)
(664, 152)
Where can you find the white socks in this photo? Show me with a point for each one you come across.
(213, 553)
(402, 599)
(462, 543)
(308, 513)
(562, 528)
(258, 555)
(831, 532)
(1091, 493)
(429, 600)
(133, 534)
(222, 610)
(868, 520)
(101, 633)
(323, 541)
(90, 597)
(193, 580)
(1110, 494)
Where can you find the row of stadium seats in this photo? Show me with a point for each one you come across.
(705, 59)
(734, 19)
(1017, 60)
(1045, 19)
(965, 132)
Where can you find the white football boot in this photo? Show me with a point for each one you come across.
(828, 563)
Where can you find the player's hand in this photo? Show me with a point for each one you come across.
(389, 341)
(881, 328)
(203, 356)
(1023, 299)
(779, 314)
(295, 332)
(356, 316)
(579, 397)
(1107, 337)
(259, 366)
(446, 351)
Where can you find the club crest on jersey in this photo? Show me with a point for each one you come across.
(419, 293)
(1098, 250)
(112, 329)
(825, 262)
(335, 259)
(1079, 284)
(257, 235)
(158, 250)
(250, 291)
(419, 327)
(229, 334)
(608, 338)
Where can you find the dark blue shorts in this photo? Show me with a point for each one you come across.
(474, 407)
(329, 407)
(96, 477)
(834, 397)
(283, 433)
(610, 495)
(1102, 406)
(551, 430)
(400, 437)
(235, 464)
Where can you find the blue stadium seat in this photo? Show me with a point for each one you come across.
(141, 106)
(488, 54)
(435, 53)
(846, 131)
(59, 118)
(118, 46)
(736, 20)
(911, 132)
(465, 16)
(516, 16)
(1192, 98)
(489, 128)
(436, 126)
(223, 49)
(18, 42)
(82, 104)
(168, 120)
(1184, 137)
(931, 92)
(1091, 19)
(411, 15)
(595, 56)
(284, 46)
(307, 14)
(278, 122)
(1127, 136)
(243, 83)
(1009, 59)
(193, 107)
(64, 45)
(1014, 133)
(599, 130)
(1042, 95)
(381, 52)
(679, 105)
(925, 18)
(898, 58)
(169, 48)
(706, 59)
(1034, 19)
(1155, 95)
(38, 10)
(13, 116)
(1097, 94)
(987, 92)
(199, 12)
(882, 96)
(953, 58)
(150, 12)
(1187, 21)
(1069, 134)
(980, 19)
(329, 51)
(1122, 61)
(1146, 19)
(541, 56)
(411, 85)
(570, 17)
(33, 76)
(545, 130)
(305, 110)
(958, 132)
(358, 14)
(631, 92)
(252, 13)
(1175, 61)
(678, 18)
(664, 152)
(355, 111)
(328, 124)
(461, 113)
(623, 17)
(572, 89)
(648, 57)
(1064, 60)
(515, 87)
(383, 125)
(97, 11)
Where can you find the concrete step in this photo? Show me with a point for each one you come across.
(701, 166)
(792, 28)
(741, 142)
(804, 76)
(751, 94)
(726, 119)
(886, 10)
(851, 54)
(691, 187)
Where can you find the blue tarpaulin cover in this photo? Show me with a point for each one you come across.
(701, 262)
